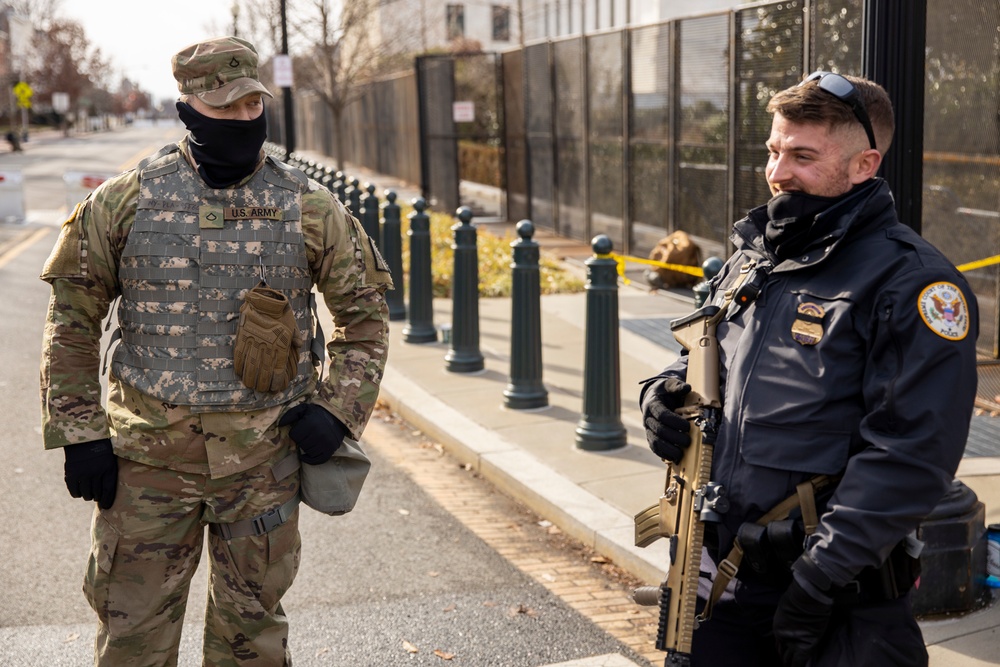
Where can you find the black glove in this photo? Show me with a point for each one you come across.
(317, 433)
(91, 471)
(800, 622)
(666, 431)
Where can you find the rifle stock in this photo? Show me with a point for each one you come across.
(689, 498)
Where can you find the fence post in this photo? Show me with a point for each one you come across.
(393, 250)
(369, 213)
(420, 327)
(464, 355)
(600, 426)
(524, 388)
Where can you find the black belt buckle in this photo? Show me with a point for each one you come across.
(265, 523)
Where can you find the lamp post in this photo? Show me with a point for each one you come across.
(286, 91)
(236, 17)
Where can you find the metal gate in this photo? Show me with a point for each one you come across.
(462, 133)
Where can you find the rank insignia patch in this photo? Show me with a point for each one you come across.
(807, 329)
(943, 309)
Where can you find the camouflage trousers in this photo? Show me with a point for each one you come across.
(147, 546)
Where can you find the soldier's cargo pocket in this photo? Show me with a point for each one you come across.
(102, 555)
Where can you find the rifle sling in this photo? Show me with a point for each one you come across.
(805, 498)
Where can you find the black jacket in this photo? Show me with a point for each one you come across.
(884, 397)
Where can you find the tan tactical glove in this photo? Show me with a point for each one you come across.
(266, 353)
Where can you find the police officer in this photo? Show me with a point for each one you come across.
(213, 250)
(850, 363)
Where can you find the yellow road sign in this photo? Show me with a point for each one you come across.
(23, 93)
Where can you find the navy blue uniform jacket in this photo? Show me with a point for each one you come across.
(884, 397)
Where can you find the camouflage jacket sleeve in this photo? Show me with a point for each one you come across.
(83, 272)
(353, 278)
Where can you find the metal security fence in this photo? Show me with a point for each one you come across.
(961, 193)
(640, 131)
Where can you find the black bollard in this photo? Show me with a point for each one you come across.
(709, 269)
(369, 213)
(340, 186)
(326, 178)
(392, 249)
(353, 194)
(420, 328)
(524, 388)
(464, 355)
(600, 426)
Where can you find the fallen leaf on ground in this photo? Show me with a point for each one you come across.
(443, 655)
(599, 559)
(523, 609)
(450, 607)
(410, 648)
(72, 637)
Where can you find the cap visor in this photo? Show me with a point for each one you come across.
(233, 91)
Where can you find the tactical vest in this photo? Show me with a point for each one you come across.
(191, 255)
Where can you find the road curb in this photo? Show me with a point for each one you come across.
(520, 475)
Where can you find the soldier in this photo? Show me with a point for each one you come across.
(848, 366)
(213, 250)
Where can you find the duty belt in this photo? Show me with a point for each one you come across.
(258, 525)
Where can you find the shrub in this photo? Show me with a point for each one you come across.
(495, 257)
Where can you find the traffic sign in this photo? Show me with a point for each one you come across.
(23, 93)
(283, 76)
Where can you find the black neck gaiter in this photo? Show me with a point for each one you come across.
(225, 151)
(791, 224)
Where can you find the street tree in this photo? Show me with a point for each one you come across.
(335, 47)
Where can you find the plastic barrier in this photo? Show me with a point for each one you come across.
(79, 184)
(11, 196)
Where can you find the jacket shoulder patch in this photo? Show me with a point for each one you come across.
(943, 309)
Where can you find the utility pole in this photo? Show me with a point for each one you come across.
(286, 92)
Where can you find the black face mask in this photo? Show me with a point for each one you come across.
(226, 150)
(791, 221)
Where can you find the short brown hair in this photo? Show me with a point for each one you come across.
(807, 103)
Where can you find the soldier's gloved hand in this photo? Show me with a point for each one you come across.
(91, 471)
(667, 433)
(801, 621)
(317, 433)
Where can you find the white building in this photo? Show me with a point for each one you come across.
(428, 25)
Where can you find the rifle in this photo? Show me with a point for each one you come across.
(690, 498)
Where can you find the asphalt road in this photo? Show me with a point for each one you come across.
(398, 573)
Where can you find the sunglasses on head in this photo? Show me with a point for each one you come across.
(844, 91)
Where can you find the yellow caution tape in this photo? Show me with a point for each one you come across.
(683, 268)
(979, 263)
(621, 260)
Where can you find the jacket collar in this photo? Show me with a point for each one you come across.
(867, 208)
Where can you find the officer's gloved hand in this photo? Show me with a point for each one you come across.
(666, 431)
(801, 621)
(317, 433)
(91, 471)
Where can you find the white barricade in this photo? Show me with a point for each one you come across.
(79, 184)
(12, 196)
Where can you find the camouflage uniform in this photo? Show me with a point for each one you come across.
(185, 463)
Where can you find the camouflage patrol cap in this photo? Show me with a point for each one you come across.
(218, 71)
